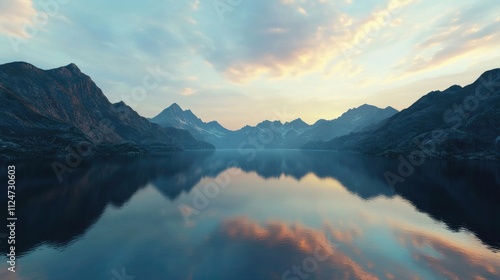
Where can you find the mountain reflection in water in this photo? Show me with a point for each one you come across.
(275, 212)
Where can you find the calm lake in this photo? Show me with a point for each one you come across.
(270, 215)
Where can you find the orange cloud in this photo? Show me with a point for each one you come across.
(451, 44)
(15, 15)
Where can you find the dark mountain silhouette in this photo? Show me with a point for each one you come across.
(273, 134)
(44, 111)
(459, 122)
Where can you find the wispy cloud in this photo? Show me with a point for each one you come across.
(455, 39)
(15, 15)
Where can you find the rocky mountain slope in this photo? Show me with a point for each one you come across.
(461, 122)
(44, 112)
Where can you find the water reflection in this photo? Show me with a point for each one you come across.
(280, 248)
(277, 246)
(56, 212)
(462, 194)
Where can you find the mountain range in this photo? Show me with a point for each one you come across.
(45, 113)
(460, 122)
(53, 112)
(273, 134)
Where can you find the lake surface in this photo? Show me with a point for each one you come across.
(270, 215)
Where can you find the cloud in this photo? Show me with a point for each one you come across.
(273, 38)
(452, 41)
(15, 15)
(289, 38)
(188, 91)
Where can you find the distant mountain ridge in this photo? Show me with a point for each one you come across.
(44, 111)
(356, 119)
(461, 122)
(273, 134)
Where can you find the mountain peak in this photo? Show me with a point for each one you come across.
(297, 121)
(366, 106)
(120, 104)
(489, 77)
(390, 108)
(495, 71)
(21, 67)
(173, 109)
(72, 67)
(268, 122)
(175, 116)
(19, 64)
(453, 88)
(18, 67)
(175, 106)
(361, 108)
(70, 70)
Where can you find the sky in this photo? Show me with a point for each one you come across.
(243, 61)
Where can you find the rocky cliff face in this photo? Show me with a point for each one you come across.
(42, 112)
